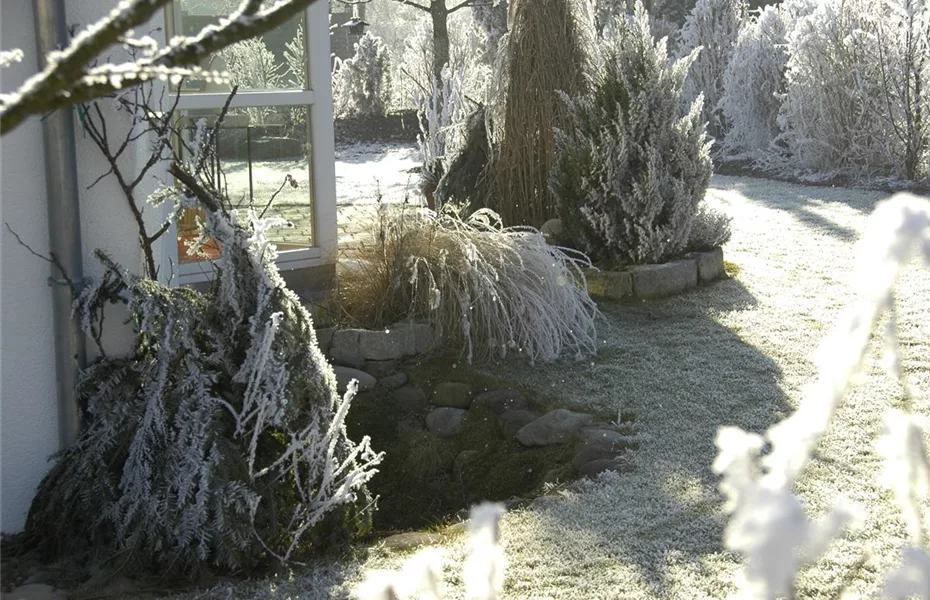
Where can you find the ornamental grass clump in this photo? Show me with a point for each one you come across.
(219, 439)
(632, 170)
(489, 291)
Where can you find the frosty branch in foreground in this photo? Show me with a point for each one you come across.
(71, 75)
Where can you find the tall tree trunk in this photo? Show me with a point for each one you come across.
(440, 16)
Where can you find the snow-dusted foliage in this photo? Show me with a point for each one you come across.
(482, 573)
(442, 115)
(489, 291)
(754, 83)
(768, 524)
(362, 84)
(632, 169)
(219, 439)
(857, 100)
(713, 26)
(295, 56)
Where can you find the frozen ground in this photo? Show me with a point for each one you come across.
(737, 352)
(365, 171)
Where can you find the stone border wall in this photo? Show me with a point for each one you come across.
(647, 282)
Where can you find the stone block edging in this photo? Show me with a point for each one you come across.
(647, 282)
(360, 347)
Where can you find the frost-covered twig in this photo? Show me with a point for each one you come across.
(72, 77)
(768, 525)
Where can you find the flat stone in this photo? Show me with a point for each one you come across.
(589, 454)
(380, 368)
(555, 427)
(34, 591)
(392, 382)
(385, 344)
(344, 348)
(613, 285)
(596, 467)
(324, 338)
(410, 540)
(501, 401)
(415, 338)
(709, 265)
(657, 281)
(514, 420)
(608, 439)
(452, 394)
(345, 374)
(554, 232)
(445, 422)
(410, 399)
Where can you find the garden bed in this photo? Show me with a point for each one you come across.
(647, 282)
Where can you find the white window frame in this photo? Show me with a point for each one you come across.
(319, 100)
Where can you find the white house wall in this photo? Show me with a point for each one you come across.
(29, 414)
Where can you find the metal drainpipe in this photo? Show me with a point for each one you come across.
(64, 227)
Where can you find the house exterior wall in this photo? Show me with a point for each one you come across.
(28, 403)
(28, 414)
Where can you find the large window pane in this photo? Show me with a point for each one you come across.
(276, 60)
(263, 161)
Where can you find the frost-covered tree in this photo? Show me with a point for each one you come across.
(219, 438)
(362, 84)
(754, 83)
(713, 26)
(79, 72)
(857, 100)
(632, 169)
(252, 66)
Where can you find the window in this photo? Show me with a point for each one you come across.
(275, 149)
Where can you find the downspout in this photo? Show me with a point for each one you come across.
(64, 228)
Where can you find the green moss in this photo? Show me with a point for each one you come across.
(731, 268)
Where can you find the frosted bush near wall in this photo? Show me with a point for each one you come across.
(754, 83)
(768, 525)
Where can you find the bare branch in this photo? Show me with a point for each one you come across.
(468, 4)
(68, 80)
(51, 258)
(413, 4)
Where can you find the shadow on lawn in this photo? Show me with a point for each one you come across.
(806, 204)
(684, 374)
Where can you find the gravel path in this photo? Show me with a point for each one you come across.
(735, 353)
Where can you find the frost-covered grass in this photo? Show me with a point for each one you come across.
(737, 353)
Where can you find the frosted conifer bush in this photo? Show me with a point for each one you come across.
(754, 83)
(713, 26)
(362, 84)
(632, 169)
(219, 438)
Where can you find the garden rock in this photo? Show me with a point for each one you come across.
(35, 591)
(410, 540)
(514, 420)
(445, 422)
(324, 338)
(501, 401)
(416, 338)
(392, 382)
(380, 368)
(452, 394)
(596, 467)
(346, 374)
(380, 345)
(657, 281)
(607, 439)
(589, 454)
(554, 427)
(614, 285)
(554, 232)
(410, 399)
(709, 265)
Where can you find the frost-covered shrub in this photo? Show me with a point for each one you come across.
(252, 66)
(441, 113)
(713, 26)
(489, 291)
(632, 168)
(711, 228)
(219, 439)
(362, 84)
(754, 83)
(857, 101)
